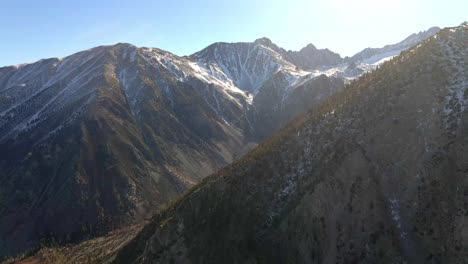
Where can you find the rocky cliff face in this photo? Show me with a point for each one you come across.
(377, 174)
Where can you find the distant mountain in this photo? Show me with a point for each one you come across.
(372, 55)
(107, 136)
(377, 174)
(310, 57)
(280, 90)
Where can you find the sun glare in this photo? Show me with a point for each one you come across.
(365, 6)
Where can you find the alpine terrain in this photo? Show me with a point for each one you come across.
(105, 137)
(376, 174)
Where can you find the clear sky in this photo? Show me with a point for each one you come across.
(35, 29)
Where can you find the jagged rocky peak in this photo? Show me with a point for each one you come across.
(433, 30)
(123, 45)
(247, 64)
(264, 41)
(311, 58)
(250, 64)
(416, 38)
(309, 47)
(238, 47)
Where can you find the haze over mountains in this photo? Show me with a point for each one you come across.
(106, 136)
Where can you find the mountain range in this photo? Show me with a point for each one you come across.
(376, 174)
(108, 136)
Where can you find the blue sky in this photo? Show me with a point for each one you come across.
(33, 29)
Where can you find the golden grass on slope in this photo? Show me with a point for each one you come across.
(97, 250)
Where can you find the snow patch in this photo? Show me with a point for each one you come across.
(455, 102)
(396, 217)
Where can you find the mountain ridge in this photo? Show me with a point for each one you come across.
(340, 186)
(107, 136)
(408, 42)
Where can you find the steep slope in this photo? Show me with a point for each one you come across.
(373, 55)
(97, 250)
(249, 65)
(376, 175)
(103, 137)
(274, 106)
(279, 87)
(106, 136)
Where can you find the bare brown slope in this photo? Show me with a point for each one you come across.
(98, 250)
